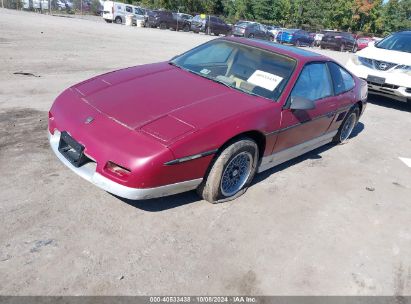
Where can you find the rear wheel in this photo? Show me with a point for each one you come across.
(231, 173)
(118, 20)
(348, 125)
(186, 28)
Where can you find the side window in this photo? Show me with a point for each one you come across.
(129, 9)
(138, 11)
(313, 83)
(342, 80)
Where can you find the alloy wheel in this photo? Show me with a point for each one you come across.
(236, 174)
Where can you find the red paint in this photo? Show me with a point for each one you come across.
(145, 116)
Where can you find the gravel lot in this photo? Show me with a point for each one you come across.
(334, 221)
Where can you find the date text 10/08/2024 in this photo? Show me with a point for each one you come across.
(205, 299)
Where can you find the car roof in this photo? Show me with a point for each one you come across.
(408, 32)
(290, 51)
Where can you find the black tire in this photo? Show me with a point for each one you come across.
(163, 26)
(355, 49)
(118, 20)
(108, 21)
(341, 137)
(298, 43)
(212, 188)
(251, 36)
(229, 33)
(186, 28)
(271, 38)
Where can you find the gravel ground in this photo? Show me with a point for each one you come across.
(334, 221)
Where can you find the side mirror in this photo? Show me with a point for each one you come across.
(301, 103)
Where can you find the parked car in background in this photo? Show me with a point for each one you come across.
(252, 30)
(274, 30)
(341, 41)
(116, 12)
(167, 20)
(247, 106)
(386, 66)
(362, 42)
(210, 25)
(186, 17)
(183, 21)
(295, 36)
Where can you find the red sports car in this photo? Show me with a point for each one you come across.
(209, 119)
(362, 42)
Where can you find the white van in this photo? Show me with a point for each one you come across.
(116, 12)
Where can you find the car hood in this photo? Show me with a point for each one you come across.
(397, 57)
(162, 100)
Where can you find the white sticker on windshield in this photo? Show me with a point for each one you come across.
(265, 80)
(205, 71)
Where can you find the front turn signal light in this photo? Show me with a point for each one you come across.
(118, 170)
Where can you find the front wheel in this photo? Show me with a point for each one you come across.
(231, 173)
(118, 20)
(347, 126)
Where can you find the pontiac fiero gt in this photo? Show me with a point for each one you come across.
(209, 119)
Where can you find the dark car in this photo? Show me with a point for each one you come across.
(296, 37)
(210, 25)
(167, 20)
(341, 41)
(252, 30)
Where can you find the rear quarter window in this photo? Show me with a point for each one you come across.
(342, 80)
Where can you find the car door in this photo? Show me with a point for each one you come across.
(261, 32)
(129, 9)
(221, 26)
(138, 12)
(308, 126)
(344, 85)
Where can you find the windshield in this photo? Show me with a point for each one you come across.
(240, 67)
(396, 42)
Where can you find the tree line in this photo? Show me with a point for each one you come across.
(378, 17)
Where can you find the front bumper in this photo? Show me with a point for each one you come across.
(88, 172)
(394, 86)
